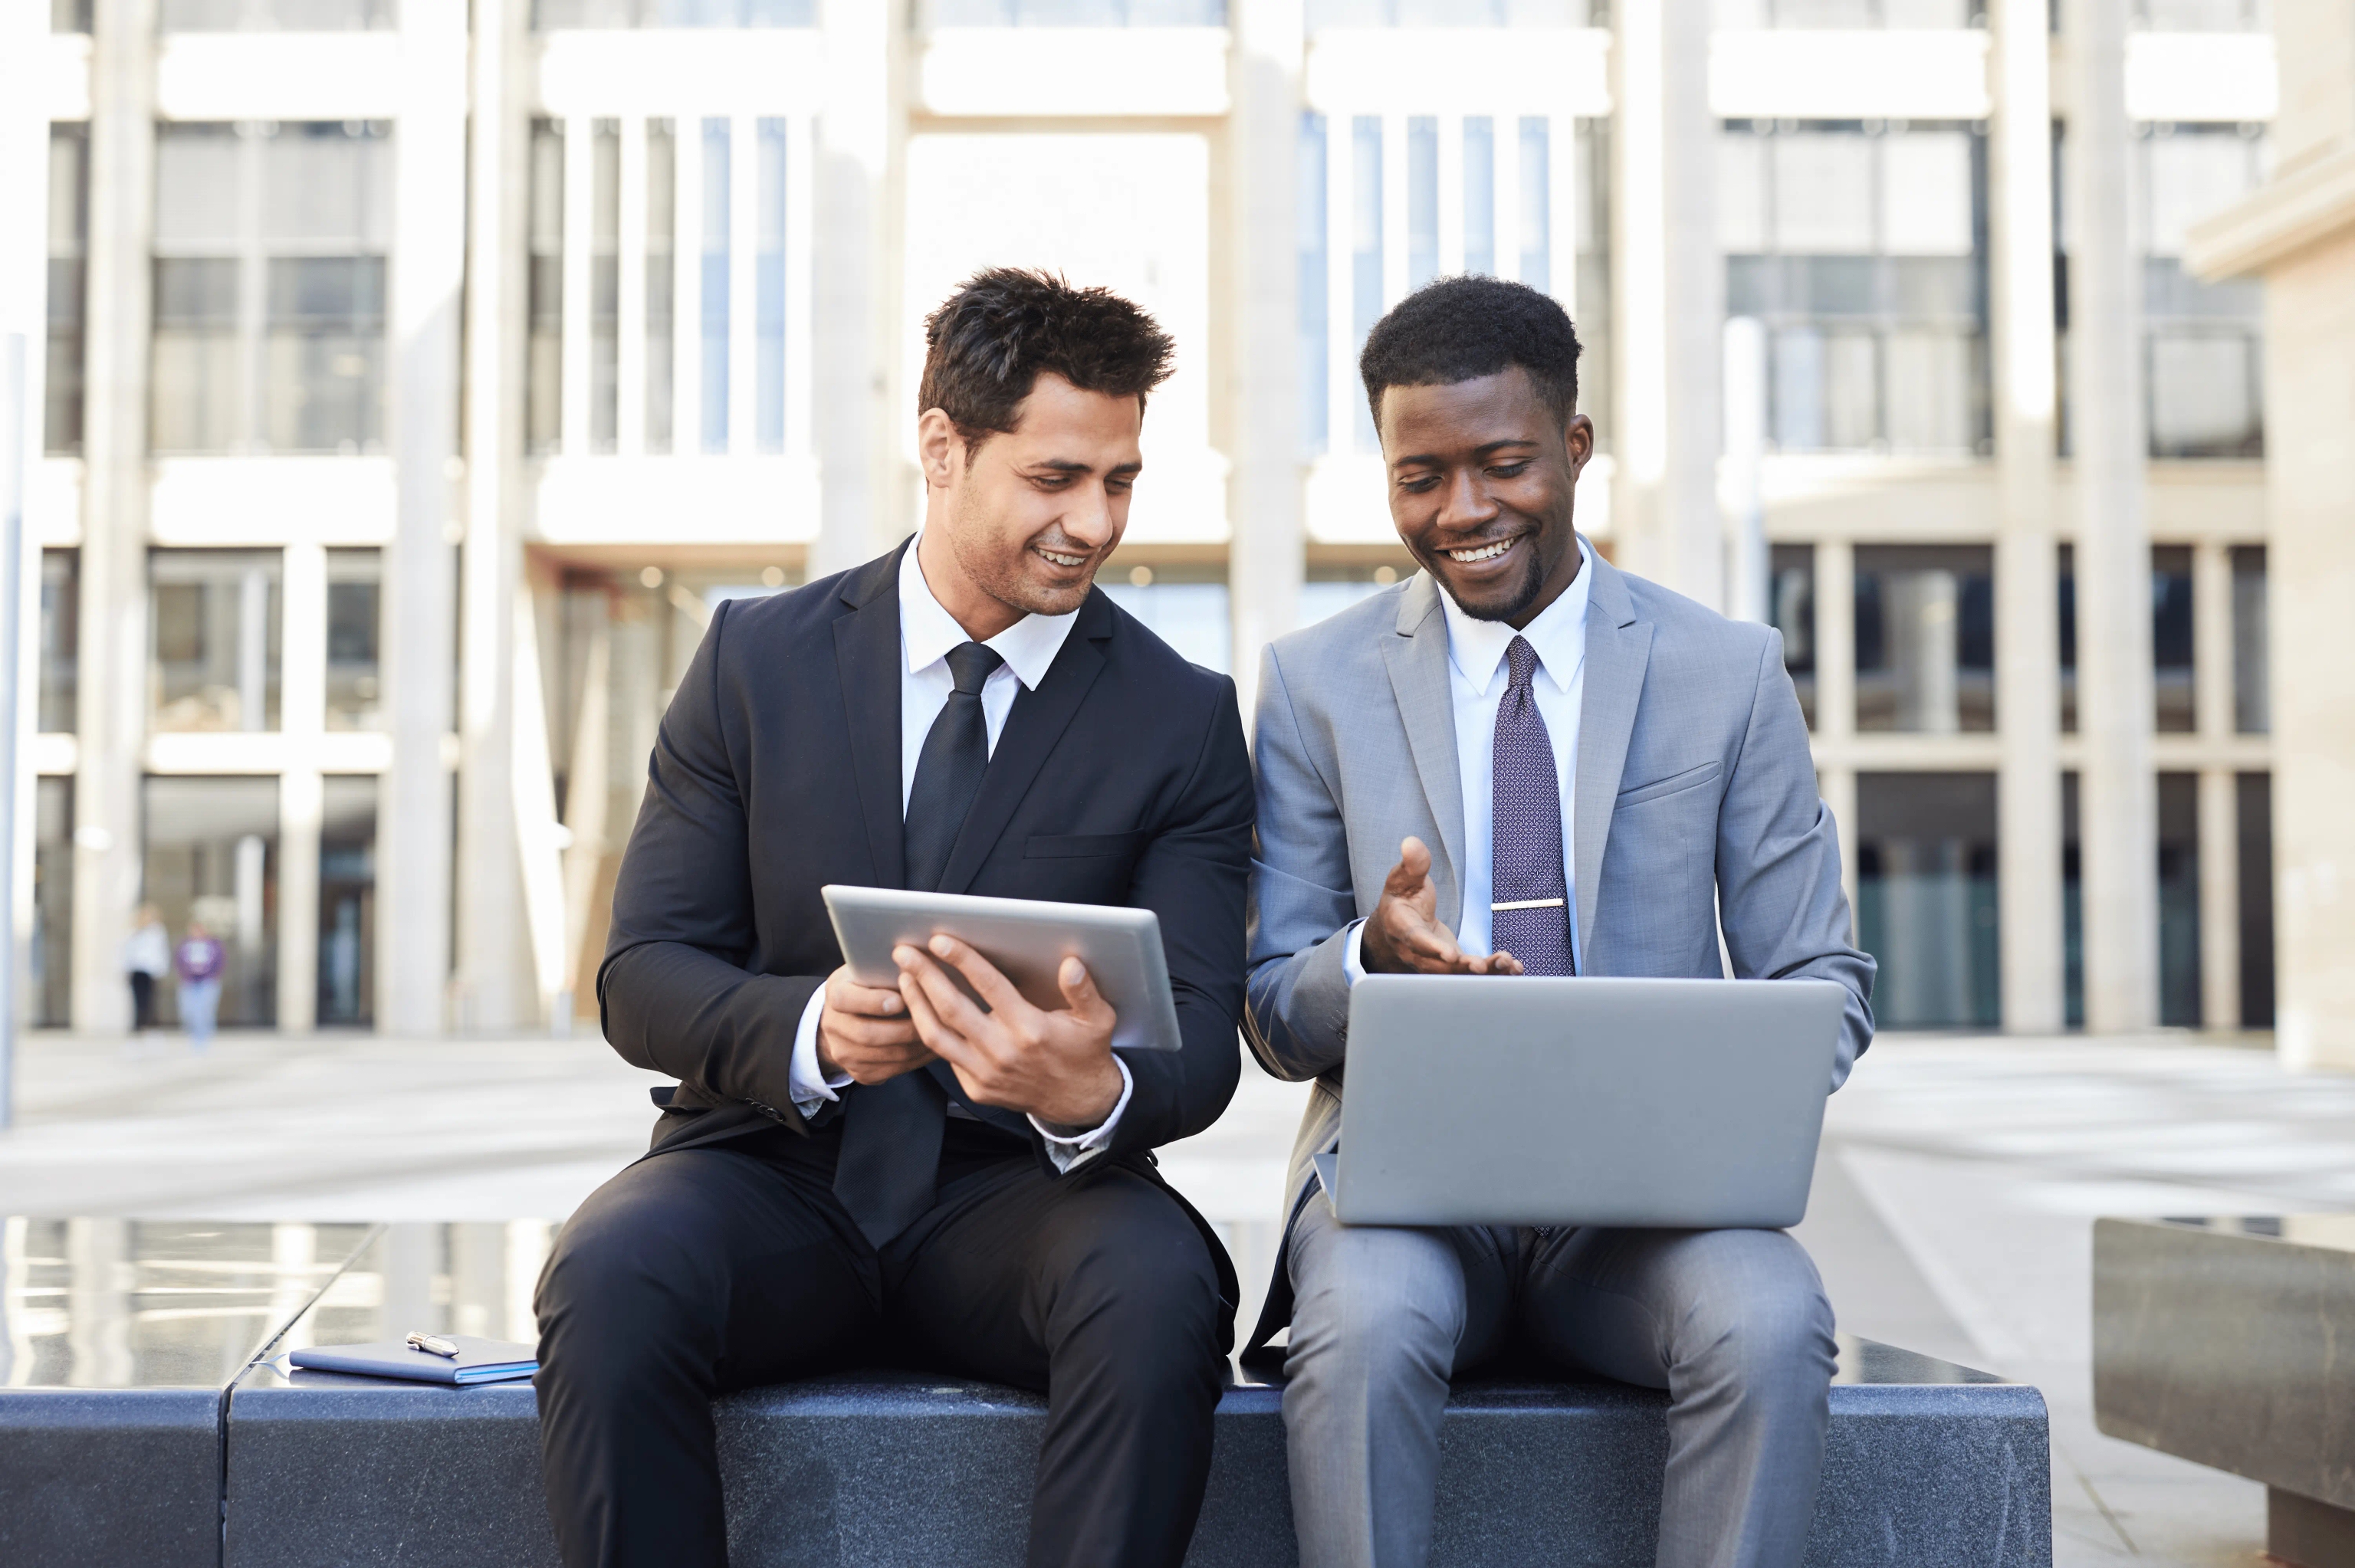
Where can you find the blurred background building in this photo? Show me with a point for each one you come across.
(419, 374)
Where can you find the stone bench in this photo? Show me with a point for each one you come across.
(1929, 1464)
(2225, 1342)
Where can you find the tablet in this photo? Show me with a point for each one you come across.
(1027, 939)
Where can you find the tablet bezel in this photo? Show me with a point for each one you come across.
(1027, 939)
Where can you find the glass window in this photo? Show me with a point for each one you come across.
(1791, 606)
(2171, 639)
(2067, 586)
(2253, 811)
(1479, 193)
(2203, 364)
(70, 16)
(1315, 385)
(544, 287)
(2072, 908)
(2179, 900)
(768, 290)
(51, 957)
(270, 287)
(212, 860)
(61, 639)
(550, 14)
(716, 215)
(1451, 14)
(1905, 14)
(1186, 607)
(1536, 204)
(1855, 243)
(2252, 689)
(214, 652)
(662, 228)
(1422, 200)
(274, 15)
(62, 422)
(1926, 904)
(2203, 15)
(1366, 250)
(355, 598)
(604, 284)
(1925, 638)
(1329, 591)
(347, 987)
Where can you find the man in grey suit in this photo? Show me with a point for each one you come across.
(1523, 760)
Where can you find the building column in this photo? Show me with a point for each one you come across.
(24, 293)
(303, 716)
(863, 484)
(1668, 282)
(418, 619)
(1265, 560)
(113, 659)
(2027, 602)
(493, 989)
(1836, 699)
(2119, 822)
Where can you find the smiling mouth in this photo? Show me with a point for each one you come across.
(1061, 558)
(1474, 555)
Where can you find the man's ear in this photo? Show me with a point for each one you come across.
(1578, 439)
(939, 449)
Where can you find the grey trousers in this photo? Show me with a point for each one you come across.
(1734, 1324)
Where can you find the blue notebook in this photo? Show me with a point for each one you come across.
(477, 1360)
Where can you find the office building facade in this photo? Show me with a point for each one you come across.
(411, 378)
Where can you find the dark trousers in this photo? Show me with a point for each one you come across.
(707, 1269)
(142, 1000)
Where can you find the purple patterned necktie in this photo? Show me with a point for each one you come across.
(1529, 915)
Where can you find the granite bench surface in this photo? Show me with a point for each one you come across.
(241, 1461)
(2230, 1342)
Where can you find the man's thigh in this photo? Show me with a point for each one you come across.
(1630, 1304)
(719, 1249)
(1382, 1284)
(1023, 1262)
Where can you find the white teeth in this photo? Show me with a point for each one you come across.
(1064, 560)
(1483, 553)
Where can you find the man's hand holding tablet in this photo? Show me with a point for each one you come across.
(1053, 1063)
(864, 1031)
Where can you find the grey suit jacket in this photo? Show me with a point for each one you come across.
(1695, 806)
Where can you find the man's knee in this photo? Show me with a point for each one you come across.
(1378, 1299)
(1757, 1314)
(629, 1281)
(1136, 1272)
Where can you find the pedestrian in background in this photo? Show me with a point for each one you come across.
(146, 958)
(199, 959)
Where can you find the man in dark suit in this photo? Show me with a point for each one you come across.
(847, 1172)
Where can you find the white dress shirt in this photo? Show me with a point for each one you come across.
(1476, 679)
(927, 632)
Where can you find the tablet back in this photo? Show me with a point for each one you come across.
(1478, 1099)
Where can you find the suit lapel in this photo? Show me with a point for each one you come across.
(867, 657)
(1618, 648)
(1417, 660)
(1036, 723)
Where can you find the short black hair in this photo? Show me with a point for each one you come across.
(988, 343)
(1460, 329)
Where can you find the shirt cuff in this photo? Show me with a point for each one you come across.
(1068, 1149)
(1353, 957)
(810, 1084)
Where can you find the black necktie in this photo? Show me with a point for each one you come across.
(892, 1130)
(1528, 915)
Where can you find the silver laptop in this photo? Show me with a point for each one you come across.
(1476, 1099)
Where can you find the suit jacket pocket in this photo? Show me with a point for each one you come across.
(1072, 846)
(1675, 783)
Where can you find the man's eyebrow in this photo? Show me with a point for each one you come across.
(1485, 448)
(1068, 465)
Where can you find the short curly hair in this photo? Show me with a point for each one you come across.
(988, 342)
(1459, 329)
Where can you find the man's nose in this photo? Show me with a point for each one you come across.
(1089, 521)
(1464, 504)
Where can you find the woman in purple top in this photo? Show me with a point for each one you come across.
(199, 959)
